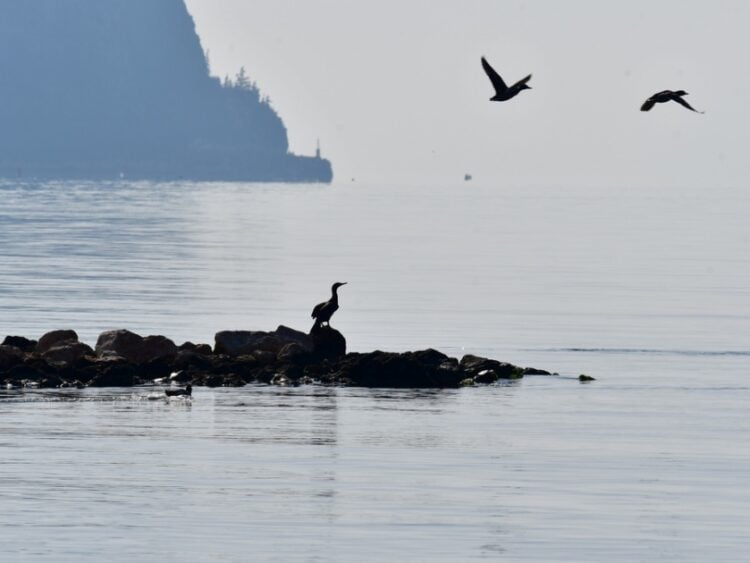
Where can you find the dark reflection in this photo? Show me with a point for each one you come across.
(410, 400)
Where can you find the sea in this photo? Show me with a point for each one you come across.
(644, 289)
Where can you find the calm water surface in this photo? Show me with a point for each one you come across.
(643, 289)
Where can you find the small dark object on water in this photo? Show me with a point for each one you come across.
(585, 378)
(503, 92)
(186, 392)
(668, 96)
(323, 311)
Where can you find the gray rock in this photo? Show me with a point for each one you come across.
(240, 342)
(67, 353)
(134, 348)
(55, 338)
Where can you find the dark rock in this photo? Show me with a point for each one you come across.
(214, 381)
(240, 342)
(133, 347)
(290, 336)
(23, 344)
(486, 377)
(264, 358)
(534, 371)
(26, 372)
(116, 375)
(293, 353)
(328, 342)
(55, 338)
(388, 369)
(585, 378)
(9, 356)
(66, 353)
(474, 365)
(186, 358)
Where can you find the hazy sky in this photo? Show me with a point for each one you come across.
(395, 90)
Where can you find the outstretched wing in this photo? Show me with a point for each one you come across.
(523, 80)
(497, 82)
(648, 104)
(682, 102)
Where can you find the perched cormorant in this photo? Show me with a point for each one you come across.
(668, 96)
(186, 392)
(502, 91)
(323, 311)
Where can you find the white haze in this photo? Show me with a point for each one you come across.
(396, 93)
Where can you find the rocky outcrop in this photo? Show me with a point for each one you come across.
(281, 357)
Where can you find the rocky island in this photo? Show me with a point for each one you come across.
(281, 357)
(110, 89)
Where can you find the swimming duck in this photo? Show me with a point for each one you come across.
(186, 392)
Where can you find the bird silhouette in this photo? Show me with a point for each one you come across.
(503, 92)
(668, 96)
(323, 311)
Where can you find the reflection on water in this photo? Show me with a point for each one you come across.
(543, 470)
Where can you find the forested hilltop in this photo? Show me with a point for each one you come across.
(112, 88)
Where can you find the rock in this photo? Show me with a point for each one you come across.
(290, 336)
(534, 371)
(263, 357)
(54, 338)
(239, 342)
(133, 347)
(421, 369)
(9, 356)
(67, 352)
(474, 365)
(585, 378)
(116, 375)
(486, 377)
(328, 342)
(293, 353)
(23, 344)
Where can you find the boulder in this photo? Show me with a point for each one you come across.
(240, 342)
(293, 353)
(67, 353)
(9, 356)
(421, 369)
(54, 338)
(134, 348)
(328, 343)
(474, 365)
(23, 344)
(115, 375)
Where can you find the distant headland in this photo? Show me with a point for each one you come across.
(106, 89)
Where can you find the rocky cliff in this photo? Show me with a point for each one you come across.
(104, 88)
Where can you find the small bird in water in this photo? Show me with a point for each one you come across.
(668, 96)
(186, 392)
(502, 91)
(323, 311)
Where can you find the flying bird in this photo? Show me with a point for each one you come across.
(668, 96)
(502, 91)
(323, 311)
